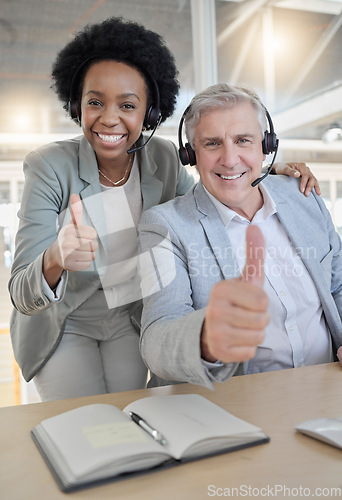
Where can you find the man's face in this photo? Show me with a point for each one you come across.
(228, 147)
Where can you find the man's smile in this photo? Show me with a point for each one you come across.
(230, 177)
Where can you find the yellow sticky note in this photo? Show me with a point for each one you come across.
(100, 436)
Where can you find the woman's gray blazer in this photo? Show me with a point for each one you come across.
(52, 173)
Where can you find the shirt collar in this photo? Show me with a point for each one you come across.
(268, 208)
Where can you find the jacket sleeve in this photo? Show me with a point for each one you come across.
(171, 327)
(38, 225)
(334, 258)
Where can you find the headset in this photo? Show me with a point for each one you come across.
(152, 117)
(186, 153)
(269, 145)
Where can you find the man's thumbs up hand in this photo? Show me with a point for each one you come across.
(255, 256)
(236, 315)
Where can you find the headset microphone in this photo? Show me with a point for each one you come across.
(269, 168)
(269, 145)
(133, 150)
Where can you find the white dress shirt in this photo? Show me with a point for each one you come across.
(297, 334)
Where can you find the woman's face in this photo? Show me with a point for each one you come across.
(113, 106)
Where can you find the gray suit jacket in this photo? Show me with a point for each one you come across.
(52, 174)
(192, 238)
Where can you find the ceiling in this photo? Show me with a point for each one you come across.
(300, 81)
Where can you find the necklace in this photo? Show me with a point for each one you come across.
(124, 176)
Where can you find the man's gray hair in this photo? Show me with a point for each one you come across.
(220, 96)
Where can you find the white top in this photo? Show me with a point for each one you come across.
(123, 208)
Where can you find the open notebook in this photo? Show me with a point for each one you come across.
(99, 441)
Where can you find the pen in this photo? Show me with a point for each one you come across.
(144, 425)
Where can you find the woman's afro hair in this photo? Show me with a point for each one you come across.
(124, 41)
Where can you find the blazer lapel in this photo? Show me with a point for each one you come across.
(299, 234)
(151, 187)
(216, 233)
(91, 195)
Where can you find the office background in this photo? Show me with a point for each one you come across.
(288, 50)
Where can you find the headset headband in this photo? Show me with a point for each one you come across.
(153, 114)
(187, 154)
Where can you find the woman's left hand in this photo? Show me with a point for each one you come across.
(339, 355)
(308, 180)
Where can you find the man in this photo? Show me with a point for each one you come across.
(211, 317)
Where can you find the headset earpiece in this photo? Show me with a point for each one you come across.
(74, 111)
(270, 141)
(152, 117)
(153, 114)
(186, 153)
(269, 145)
(74, 103)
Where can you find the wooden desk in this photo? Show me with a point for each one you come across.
(274, 401)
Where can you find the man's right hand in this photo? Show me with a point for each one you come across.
(236, 315)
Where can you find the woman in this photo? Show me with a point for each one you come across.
(74, 282)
